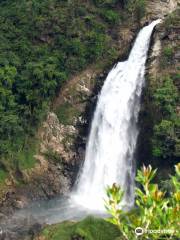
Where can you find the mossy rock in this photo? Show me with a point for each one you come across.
(88, 229)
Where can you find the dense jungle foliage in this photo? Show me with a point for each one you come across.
(42, 43)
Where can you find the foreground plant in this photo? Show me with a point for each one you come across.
(115, 195)
(157, 212)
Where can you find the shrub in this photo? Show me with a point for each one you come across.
(172, 19)
(66, 113)
(155, 209)
(137, 8)
(164, 139)
(168, 52)
(110, 16)
(165, 142)
(167, 55)
(53, 156)
(3, 175)
(165, 97)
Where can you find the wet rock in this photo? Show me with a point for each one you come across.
(20, 202)
(177, 56)
(18, 228)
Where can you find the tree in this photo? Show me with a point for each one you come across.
(137, 8)
(9, 120)
(165, 97)
(164, 139)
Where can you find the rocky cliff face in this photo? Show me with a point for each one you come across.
(64, 133)
(160, 8)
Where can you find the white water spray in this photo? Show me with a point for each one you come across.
(110, 150)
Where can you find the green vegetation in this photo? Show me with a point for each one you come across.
(53, 156)
(156, 209)
(25, 158)
(165, 140)
(110, 16)
(42, 43)
(137, 8)
(88, 229)
(159, 139)
(66, 113)
(165, 98)
(3, 176)
(168, 53)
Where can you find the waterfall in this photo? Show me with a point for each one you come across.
(110, 149)
(112, 141)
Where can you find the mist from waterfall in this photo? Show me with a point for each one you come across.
(112, 141)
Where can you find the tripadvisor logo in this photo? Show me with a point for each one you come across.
(139, 231)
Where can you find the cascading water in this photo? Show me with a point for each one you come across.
(110, 150)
